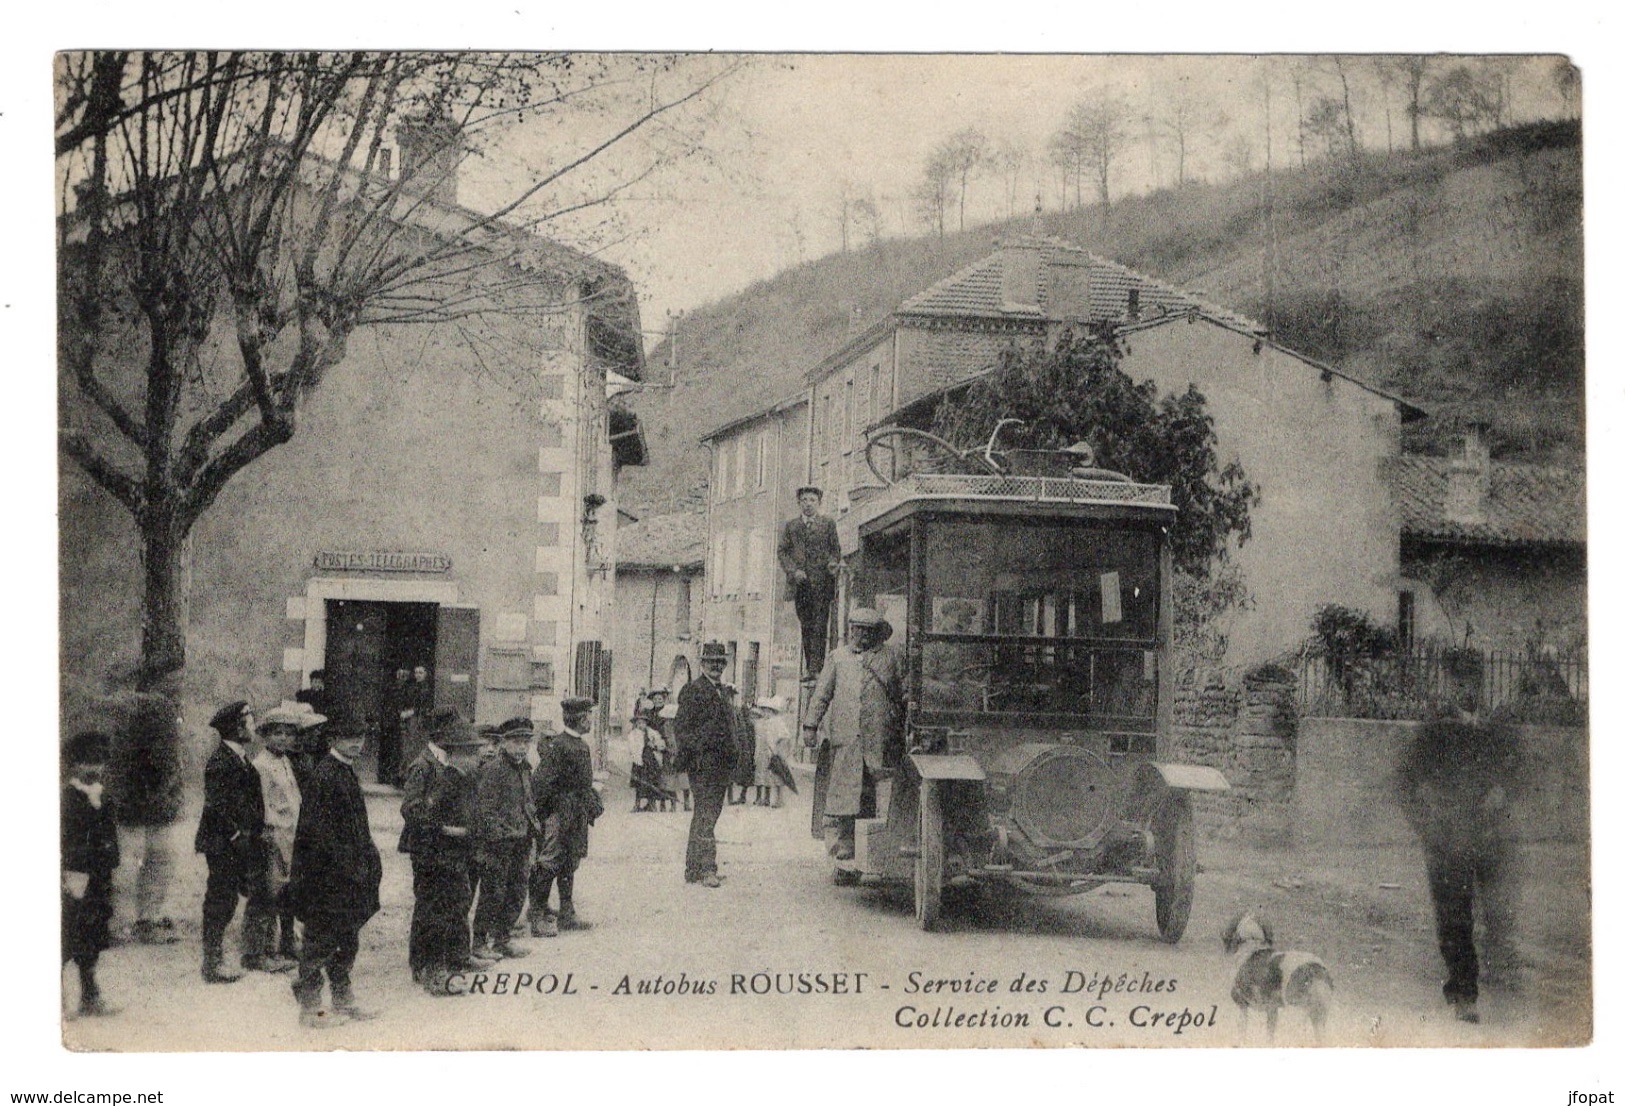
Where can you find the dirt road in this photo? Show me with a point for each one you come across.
(780, 958)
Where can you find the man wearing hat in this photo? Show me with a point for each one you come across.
(89, 856)
(810, 554)
(279, 788)
(333, 887)
(861, 693)
(566, 804)
(437, 809)
(229, 832)
(504, 824)
(707, 731)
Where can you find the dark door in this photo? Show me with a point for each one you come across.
(357, 647)
(457, 659)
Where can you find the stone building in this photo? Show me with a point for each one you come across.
(659, 571)
(1493, 554)
(1314, 440)
(448, 501)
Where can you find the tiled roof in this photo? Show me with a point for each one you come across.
(1523, 504)
(661, 541)
(977, 290)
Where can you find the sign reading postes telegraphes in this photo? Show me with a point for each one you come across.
(380, 560)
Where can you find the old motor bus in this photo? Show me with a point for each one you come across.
(1033, 612)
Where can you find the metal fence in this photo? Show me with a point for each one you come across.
(1519, 687)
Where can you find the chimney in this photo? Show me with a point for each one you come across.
(431, 147)
(1020, 269)
(1467, 481)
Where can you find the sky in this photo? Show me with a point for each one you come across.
(792, 134)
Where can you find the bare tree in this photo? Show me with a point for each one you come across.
(1008, 161)
(1326, 122)
(866, 219)
(1096, 129)
(1466, 99)
(1184, 115)
(1566, 78)
(962, 154)
(934, 190)
(227, 223)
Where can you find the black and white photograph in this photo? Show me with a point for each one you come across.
(590, 550)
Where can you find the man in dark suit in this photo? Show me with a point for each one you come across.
(566, 805)
(707, 742)
(810, 554)
(1458, 785)
(228, 834)
(334, 884)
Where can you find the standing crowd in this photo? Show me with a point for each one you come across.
(495, 819)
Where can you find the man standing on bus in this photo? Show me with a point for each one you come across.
(810, 554)
(860, 692)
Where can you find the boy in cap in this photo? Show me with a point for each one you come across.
(334, 884)
(436, 809)
(566, 804)
(279, 789)
(229, 832)
(89, 856)
(504, 824)
(810, 554)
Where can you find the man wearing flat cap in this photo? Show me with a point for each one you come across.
(504, 825)
(707, 730)
(567, 805)
(860, 696)
(810, 554)
(437, 808)
(229, 833)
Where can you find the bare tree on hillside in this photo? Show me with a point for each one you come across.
(1566, 79)
(1183, 115)
(1326, 122)
(1466, 99)
(962, 154)
(866, 218)
(1410, 72)
(1096, 129)
(934, 191)
(227, 221)
(1008, 161)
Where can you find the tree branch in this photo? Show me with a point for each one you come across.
(124, 488)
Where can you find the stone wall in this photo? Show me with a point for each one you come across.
(1245, 725)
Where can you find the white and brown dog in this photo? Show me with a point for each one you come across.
(1268, 979)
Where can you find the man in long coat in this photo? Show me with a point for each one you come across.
(334, 885)
(810, 554)
(860, 697)
(1457, 784)
(566, 805)
(707, 731)
(229, 833)
(437, 809)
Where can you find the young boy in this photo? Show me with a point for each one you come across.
(279, 790)
(89, 856)
(504, 824)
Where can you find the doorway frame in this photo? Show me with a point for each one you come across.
(319, 589)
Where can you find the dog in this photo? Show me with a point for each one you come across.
(1268, 979)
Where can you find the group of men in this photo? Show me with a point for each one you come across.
(491, 816)
(497, 827)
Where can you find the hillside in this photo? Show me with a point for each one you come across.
(1452, 276)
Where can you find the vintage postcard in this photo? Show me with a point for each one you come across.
(610, 551)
